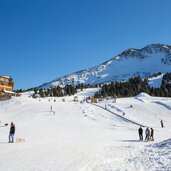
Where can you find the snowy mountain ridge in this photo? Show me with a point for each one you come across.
(149, 60)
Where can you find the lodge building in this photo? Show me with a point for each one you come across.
(6, 84)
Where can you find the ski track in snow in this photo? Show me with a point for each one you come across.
(83, 137)
(163, 104)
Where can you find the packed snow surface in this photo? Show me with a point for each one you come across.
(84, 137)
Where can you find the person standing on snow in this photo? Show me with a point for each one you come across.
(147, 133)
(11, 133)
(105, 107)
(161, 122)
(140, 132)
(151, 134)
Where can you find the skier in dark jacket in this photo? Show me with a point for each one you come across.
(151, 134)
(140, 132)
(161, 122)
(11, 133)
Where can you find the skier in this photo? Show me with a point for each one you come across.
(161, 122)
(140, 132)
(151, 135)
(147, 133)
(11, 133)
(51, 109)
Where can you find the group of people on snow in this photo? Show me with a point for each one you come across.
(149, 134)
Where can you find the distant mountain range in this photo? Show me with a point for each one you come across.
(144, 62)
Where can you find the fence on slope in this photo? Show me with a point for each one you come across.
(128, 120)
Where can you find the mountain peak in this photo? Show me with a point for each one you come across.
(151, 59)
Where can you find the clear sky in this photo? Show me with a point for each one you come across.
(41, 40)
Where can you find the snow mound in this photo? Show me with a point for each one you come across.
(143, 95)
(89, 92)
(27, 93)
(161, 152)
(164, 144)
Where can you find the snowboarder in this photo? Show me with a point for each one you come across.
(151, 134)
(11, 133)
(140, 132)
(147, 133)
(161, 122)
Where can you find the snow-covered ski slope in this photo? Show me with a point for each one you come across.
(84, 137)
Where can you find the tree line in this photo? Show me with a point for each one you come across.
(55, 91)
(135, 86)
(129, 88)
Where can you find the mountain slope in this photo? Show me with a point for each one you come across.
(151, 59)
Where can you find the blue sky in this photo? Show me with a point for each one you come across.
(41, 40)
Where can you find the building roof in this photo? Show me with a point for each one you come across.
(9, 92)
(5, 76)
